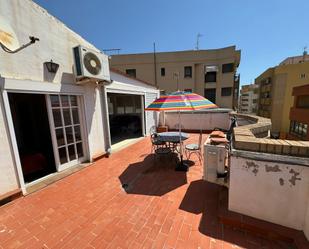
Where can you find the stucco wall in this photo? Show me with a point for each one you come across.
(93, 116)
(275, 192)
(56, 43)
(8, 180)
(196, 121)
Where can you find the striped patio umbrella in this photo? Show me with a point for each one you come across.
(180, 101)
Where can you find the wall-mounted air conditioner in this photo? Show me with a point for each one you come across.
(89, 64)
(211, 68)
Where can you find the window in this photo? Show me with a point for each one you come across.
(228, 68)
(302, 75)
(226, 91)
(66, 115)
(299, 129)
(188, 90)
(210, 77)
(162, 71)
(303, 101)
(131, 72)
(188, 72)
(210, 94)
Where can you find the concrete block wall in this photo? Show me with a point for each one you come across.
(272, 185)
(252, 137)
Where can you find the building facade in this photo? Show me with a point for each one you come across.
(248, 99)
(211, 73)
(275, 94)
(50, 122)
(299, 114)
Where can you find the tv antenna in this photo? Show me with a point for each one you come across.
(198, 41)
(305, 50)
(111, 50)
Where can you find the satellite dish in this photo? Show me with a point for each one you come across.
(7, 35)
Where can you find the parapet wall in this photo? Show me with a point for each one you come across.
(253, 137)
(269, 177)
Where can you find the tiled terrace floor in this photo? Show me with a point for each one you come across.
(162, 208)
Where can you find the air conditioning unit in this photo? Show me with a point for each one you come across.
(214, 163)
(89, 64)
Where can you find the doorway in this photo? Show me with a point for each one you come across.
(125, 116)
(32, 131)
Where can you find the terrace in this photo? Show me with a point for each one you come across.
(157, 208)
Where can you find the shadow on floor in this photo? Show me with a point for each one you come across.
(204, 198)
(152, 176)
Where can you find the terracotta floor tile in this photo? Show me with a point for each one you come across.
(160, 208)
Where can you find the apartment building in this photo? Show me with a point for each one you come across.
(248, 99)
(276, 87)
(211, 73)
(299, 114)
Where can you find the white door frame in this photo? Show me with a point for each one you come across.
(142, 94)
(12, 135)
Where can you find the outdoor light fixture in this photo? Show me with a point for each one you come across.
(51, 66)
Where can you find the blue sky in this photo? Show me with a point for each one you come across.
(266, 31)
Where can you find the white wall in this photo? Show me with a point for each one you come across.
(196, 121)
(127, 84)
(274, 192)
(94, 118)
(25, 70)
(56, 43)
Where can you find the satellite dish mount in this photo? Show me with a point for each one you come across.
(32, 41)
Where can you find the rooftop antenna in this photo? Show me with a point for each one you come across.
(305, 53)
(198, 41)
(117, 50)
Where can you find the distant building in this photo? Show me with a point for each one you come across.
(211, 73)
(295, 59)
(299, 114)
(248, 100)
(275, 94)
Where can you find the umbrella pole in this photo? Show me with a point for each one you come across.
(181, 165)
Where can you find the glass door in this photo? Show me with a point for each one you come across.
(69, 142)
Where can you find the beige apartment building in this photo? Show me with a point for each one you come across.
(211, 73)
(276, 87)
(248, 99)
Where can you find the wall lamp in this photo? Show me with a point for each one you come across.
(51, 66)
